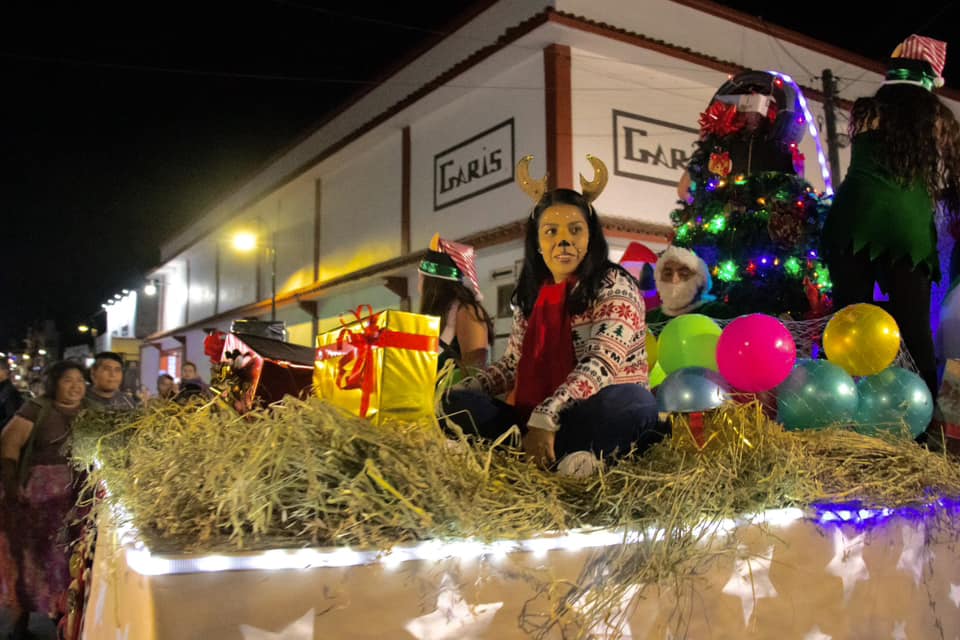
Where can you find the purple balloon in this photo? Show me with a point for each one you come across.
(755, 353)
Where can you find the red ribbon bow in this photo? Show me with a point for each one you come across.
(720, 119)
(357, 368)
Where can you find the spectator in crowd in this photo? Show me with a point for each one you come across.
(191, 378)
(166, 387)
(38, 493)
(10, 398)
(106, 376)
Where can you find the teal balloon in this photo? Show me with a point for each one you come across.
(692, 389)
(689, 340)
(816, 394)
(891, 399)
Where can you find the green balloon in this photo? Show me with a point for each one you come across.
(816, 394)
(657, 375)
(892, 399)
(689, 340)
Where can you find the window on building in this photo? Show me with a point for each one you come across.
(171, 361)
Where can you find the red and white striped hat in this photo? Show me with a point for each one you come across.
(462, 256)
(906, 62)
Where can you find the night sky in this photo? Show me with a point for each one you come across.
(120, 122)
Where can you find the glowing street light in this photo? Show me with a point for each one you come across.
(26, 356)
(82, 328)
(150, 289)
(244, 241)
(42, 352)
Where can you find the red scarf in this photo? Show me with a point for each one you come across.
(547, 357)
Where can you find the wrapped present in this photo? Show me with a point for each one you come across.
(380, 365)
(255, 371)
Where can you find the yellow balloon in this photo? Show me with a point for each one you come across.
(653, 350)
(862, 338)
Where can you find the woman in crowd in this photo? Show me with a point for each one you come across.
(38, 493)
(449, 289)
(575, 365)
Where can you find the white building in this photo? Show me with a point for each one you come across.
(350, 207)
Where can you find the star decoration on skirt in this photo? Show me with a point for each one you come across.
(816, 634)
(899, 631)
(300, 629)
(916, 555)
(955, 594)
(750, 580)
(453, 619)
(847, 562)
(101, 603)
(614, 621)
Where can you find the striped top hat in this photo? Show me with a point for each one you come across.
(917, 60)
(449, 260)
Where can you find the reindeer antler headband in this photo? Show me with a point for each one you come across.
(591, 189)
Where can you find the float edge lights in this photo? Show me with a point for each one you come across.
(141, 560)
(824, 168)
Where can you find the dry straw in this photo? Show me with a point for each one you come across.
(303, 473)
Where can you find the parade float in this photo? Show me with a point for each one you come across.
(790, 501)
(301, 520)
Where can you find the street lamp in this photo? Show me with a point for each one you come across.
(150, 289)
(245, 241)
(82, 328)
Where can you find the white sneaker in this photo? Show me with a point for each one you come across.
(579, 464)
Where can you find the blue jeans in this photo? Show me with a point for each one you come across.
(608, 423)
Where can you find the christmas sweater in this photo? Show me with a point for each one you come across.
(609, 342)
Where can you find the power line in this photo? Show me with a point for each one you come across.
(933, 18)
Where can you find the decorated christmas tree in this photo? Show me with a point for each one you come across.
(749, 213)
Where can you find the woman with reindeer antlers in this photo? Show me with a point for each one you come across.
(576, 363)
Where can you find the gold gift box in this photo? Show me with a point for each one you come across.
(380, 365)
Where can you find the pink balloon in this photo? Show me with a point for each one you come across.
(755, 353)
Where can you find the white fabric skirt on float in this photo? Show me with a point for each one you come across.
(785, 575)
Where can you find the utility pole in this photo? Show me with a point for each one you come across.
(829, 104)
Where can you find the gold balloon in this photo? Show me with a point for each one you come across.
(653, 350)
(863, 339)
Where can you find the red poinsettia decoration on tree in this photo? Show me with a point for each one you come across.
(720, 119)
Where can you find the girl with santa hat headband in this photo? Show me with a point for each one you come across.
(881, 227)
(449, 289)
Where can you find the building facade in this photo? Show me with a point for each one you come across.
(344, 214)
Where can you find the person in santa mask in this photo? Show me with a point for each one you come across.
(683, 284)
(575, 367)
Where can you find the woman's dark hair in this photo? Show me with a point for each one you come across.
(535, 272)
(57, 371)
(439, 295)
(919, 139)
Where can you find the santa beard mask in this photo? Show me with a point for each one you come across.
(679, 297)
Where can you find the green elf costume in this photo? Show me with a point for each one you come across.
(881, 227)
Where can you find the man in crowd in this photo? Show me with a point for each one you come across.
(191, 384)
(166, 387)
(10, 398)
(106, 376)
